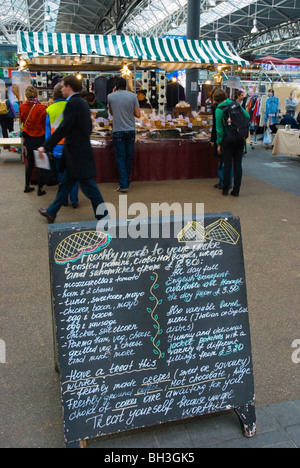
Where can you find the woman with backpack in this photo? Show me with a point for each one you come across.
(232, 125)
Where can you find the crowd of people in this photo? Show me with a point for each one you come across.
(63, 132)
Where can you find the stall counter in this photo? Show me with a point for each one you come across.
(164, 159)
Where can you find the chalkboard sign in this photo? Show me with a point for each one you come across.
(150, 330)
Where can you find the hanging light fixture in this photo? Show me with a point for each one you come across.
(254, 30)
(47, 15)
(173, 22)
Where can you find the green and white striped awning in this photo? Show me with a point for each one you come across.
(87, 50)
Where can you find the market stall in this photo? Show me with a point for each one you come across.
(172, 158)
(72, 52)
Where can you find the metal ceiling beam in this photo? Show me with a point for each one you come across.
(115, 16)
(269, 38)
(6, 34)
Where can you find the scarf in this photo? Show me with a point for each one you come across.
(34, 100)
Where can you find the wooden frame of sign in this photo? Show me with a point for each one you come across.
(150, 330)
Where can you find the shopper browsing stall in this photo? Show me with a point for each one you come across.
(123, 106)
(7, 117)
(230, 147)
(33, 119)
(216, 100)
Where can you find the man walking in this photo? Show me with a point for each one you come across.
(123, 106)
(77, 158)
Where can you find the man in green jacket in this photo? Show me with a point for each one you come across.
(93, 104)
(230, 150)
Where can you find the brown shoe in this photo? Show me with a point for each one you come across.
(46, 215)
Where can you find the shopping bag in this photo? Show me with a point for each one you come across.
(267, 138)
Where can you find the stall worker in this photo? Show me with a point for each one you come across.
(291, 104)
(93, 104)
(288, 119)
(143, 102)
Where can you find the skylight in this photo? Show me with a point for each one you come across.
(160, 10)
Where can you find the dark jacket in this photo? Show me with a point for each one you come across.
(76, 127)
(289, 120)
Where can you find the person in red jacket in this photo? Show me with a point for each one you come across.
(33, 117)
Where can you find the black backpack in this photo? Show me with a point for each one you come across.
(238, 123)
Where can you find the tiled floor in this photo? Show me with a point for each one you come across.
(30, 408)
(278, 426)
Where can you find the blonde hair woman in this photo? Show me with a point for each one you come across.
(33, 118)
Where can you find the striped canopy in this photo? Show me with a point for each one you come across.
(88, 51)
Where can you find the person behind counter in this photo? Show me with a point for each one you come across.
(288, 119)
(143, 102)
(291, 104)
(93, 104)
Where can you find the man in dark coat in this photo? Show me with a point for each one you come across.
(77, 158)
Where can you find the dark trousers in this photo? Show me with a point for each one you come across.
(7, 125)
(32, 143)
(232, 153)
(29, 169)
(124, 151)
(61, 176)
(88, 187)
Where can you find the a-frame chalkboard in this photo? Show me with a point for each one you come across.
(150, 330)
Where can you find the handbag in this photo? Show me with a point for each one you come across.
(22, 126)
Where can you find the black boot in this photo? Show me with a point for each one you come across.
(28, 189)
(40, 192)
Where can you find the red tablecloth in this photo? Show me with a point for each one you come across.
(160, 160)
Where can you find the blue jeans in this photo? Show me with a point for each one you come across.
(88, 187)
(61, 178)
(221, 172)
(124, 151)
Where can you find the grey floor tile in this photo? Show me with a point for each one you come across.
(287, 413)
(297, 402)
(204, 432)
(266, 420)
(264, 439)
(173, 436)
(294, 434)
(142, 439)
(229, 426)
(282, 445)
